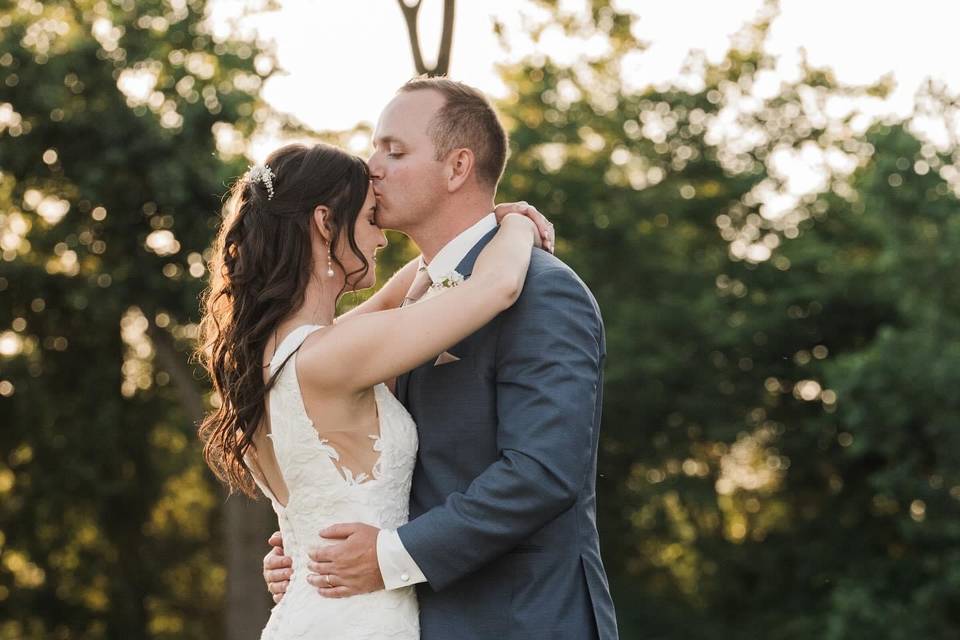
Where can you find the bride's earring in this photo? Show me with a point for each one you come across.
(329, 263)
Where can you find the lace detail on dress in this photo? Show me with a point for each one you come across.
(345, 471)
(320, 496)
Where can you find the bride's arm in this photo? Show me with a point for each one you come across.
(374, 347)
(390, 295)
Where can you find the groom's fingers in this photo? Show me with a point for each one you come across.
(276, 560)
(329, 586)
(335, 592)
(277, 575)
(337, 531)
(276, 540)
(274, 565)
(321, 554)
(321, 568)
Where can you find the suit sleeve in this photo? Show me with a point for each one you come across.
(548, 370)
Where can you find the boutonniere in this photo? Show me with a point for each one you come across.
(450, 280)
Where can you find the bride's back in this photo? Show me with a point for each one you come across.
(315, 488)
(342, 455)
(347, 425)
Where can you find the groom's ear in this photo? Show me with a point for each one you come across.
(321, 220)
(459, 167)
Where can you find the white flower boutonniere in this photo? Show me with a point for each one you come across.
(452, 279)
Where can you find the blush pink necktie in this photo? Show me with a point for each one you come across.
(419, 287)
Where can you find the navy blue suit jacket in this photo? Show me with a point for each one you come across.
(503, 504)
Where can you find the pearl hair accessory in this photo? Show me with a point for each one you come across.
(262, 173)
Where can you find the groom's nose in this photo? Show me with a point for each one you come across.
(376, 170)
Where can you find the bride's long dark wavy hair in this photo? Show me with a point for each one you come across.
(262, 261)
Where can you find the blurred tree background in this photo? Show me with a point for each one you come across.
(779, 458)
(119, 130)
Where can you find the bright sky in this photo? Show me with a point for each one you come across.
(344, 60)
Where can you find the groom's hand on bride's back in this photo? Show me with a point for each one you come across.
(277, 568)
(349, 566)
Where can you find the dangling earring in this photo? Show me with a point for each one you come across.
(329, 263)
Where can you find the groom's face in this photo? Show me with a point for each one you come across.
(407, 177)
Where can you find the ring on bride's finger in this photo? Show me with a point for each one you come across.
(327, 578)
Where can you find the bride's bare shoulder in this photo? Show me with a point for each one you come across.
(315, 362)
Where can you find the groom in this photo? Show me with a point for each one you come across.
(502, 538)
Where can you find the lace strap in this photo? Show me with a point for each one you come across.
(290, 344)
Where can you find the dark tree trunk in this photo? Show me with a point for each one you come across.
(246, 524)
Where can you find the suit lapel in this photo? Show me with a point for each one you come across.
(465, 268)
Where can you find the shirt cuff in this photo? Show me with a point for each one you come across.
(396, 566)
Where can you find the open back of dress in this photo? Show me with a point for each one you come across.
(319, 494)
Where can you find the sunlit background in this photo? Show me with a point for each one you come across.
(861, 41)
(762, 195)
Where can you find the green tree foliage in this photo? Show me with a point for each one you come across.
(121, 124)
(777, 456)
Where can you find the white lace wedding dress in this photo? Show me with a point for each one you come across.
(320, 496)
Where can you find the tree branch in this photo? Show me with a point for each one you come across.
(446, 40)
(410, 13)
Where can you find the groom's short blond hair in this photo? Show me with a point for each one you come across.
(466, 121)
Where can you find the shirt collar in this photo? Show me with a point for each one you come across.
(456, 250)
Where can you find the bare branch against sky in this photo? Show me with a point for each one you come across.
(442, 66)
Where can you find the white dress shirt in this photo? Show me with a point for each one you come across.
(396, 566)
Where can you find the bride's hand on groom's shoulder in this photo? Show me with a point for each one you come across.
(544, 226)
(277, 568)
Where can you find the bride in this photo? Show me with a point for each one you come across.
(305, 406)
